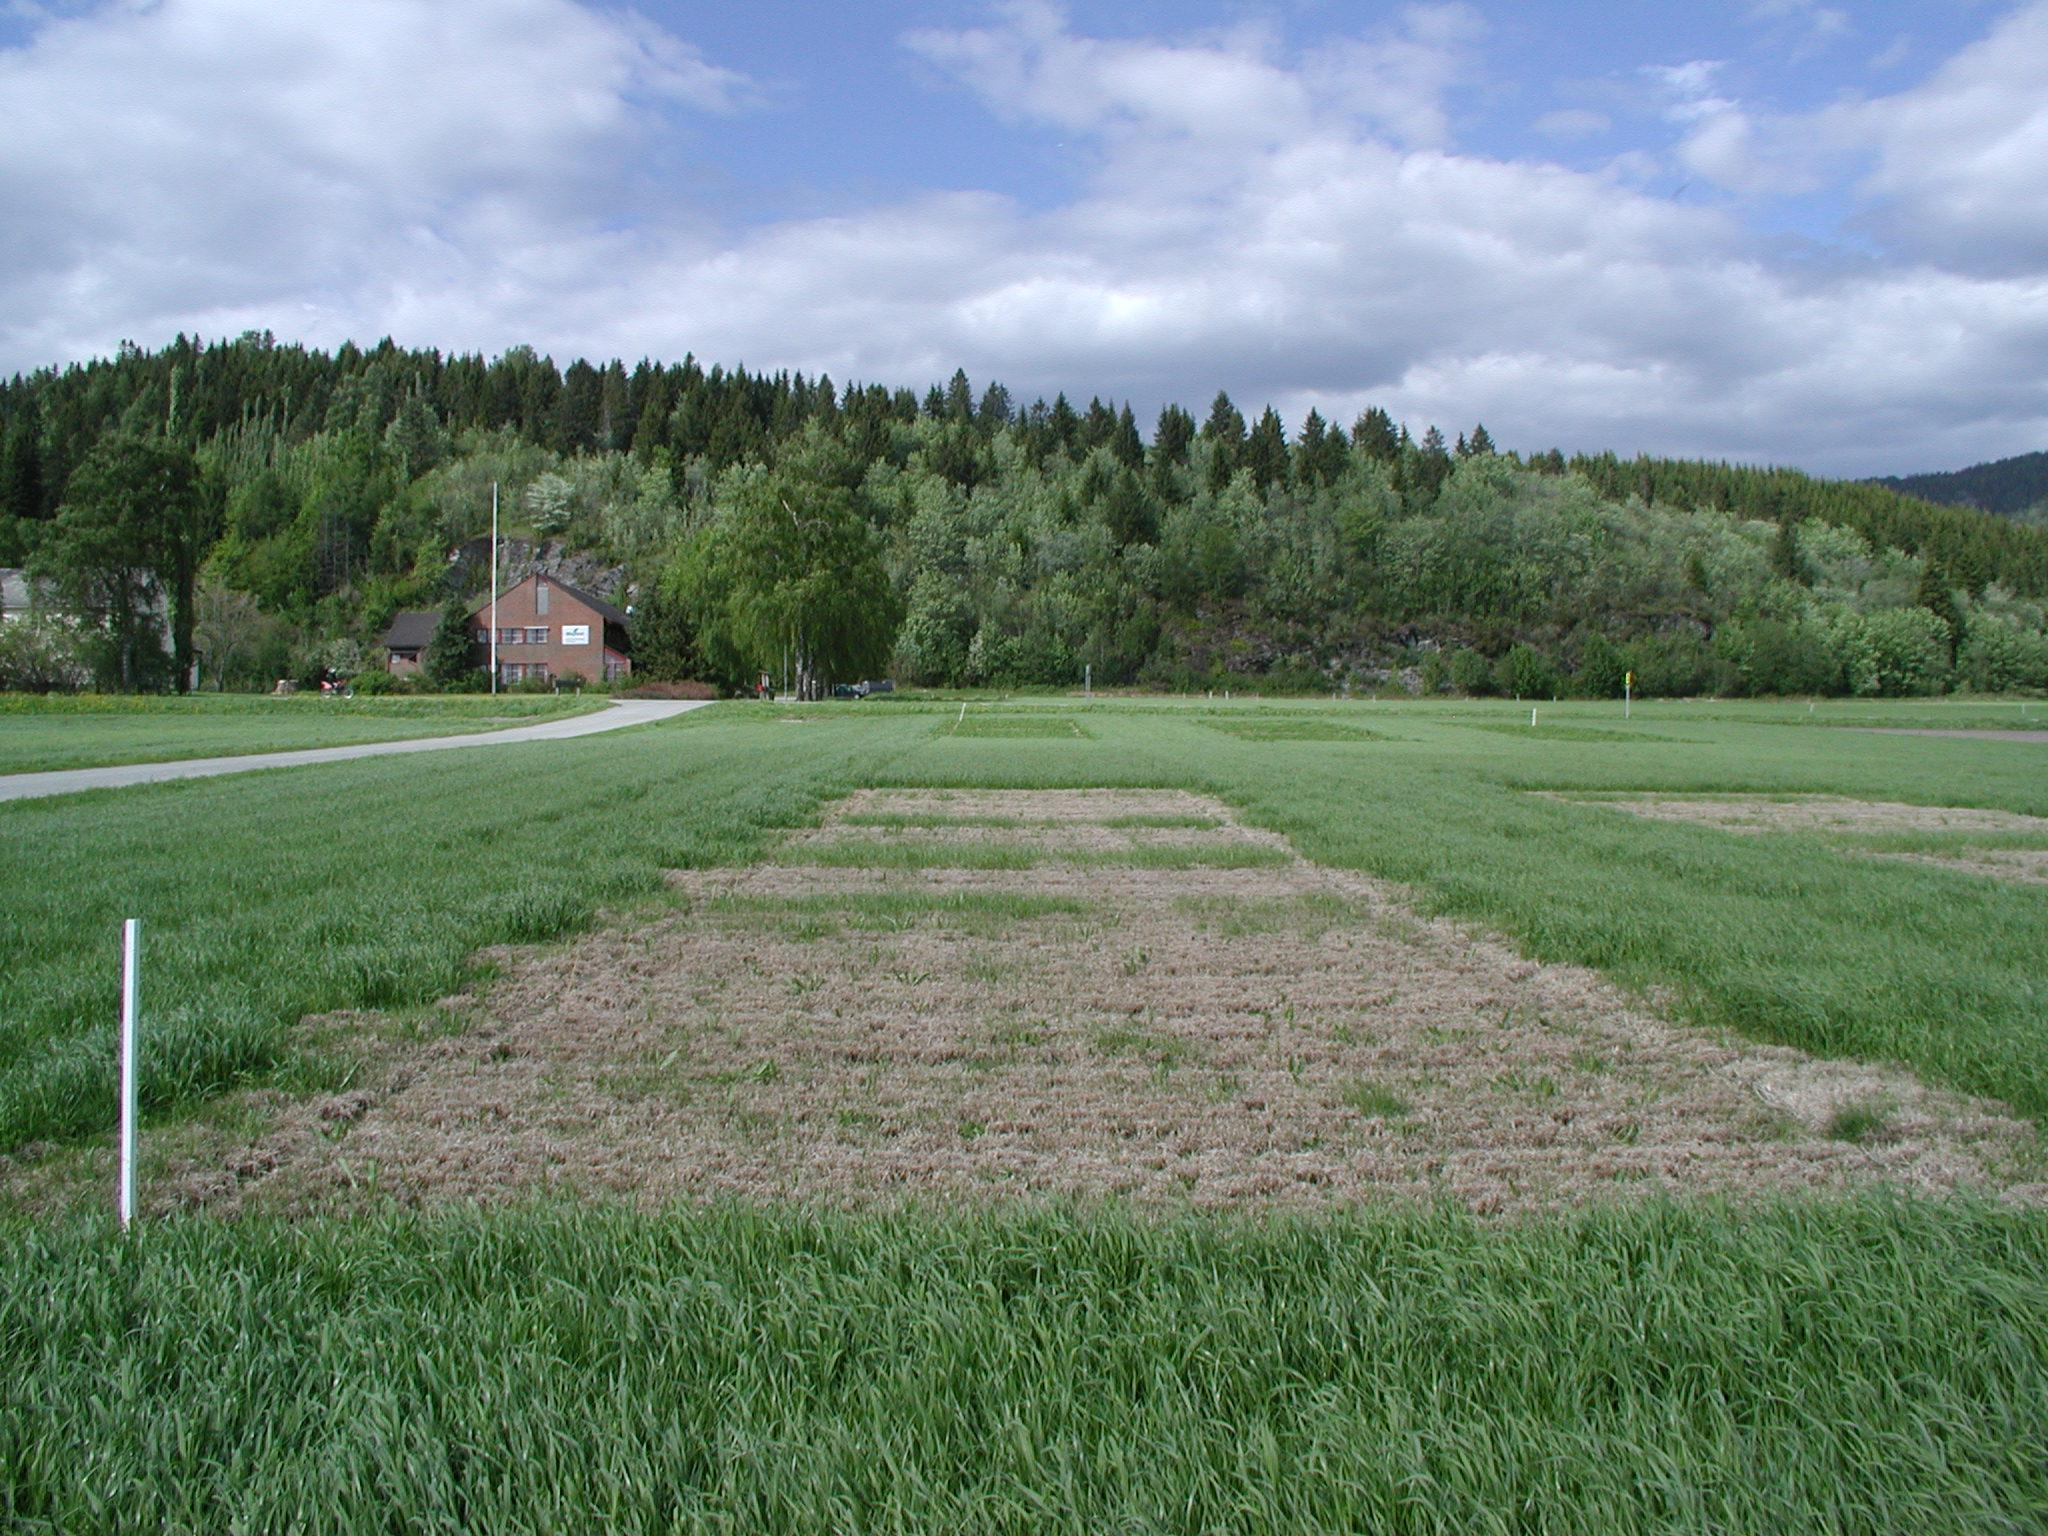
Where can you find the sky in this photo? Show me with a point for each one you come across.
(1783, 231)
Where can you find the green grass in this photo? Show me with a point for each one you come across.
(1282, 729)
(1842, 1365)
(1860, 1123)
(1598, 735)
(975, 913)
(1022, 854)
(45, 734)
(1374, 1100)
(1009, 727)
(1856, 1367)
(371, 884)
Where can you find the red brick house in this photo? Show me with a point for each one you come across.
(548, 629)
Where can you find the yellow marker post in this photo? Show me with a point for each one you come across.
(1628, 693)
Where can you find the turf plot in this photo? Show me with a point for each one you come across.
(1001, 995)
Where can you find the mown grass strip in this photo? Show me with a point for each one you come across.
(1293, 730)
(978, 912)
(864, 853)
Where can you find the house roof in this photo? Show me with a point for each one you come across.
(606, 611)
(411, 630)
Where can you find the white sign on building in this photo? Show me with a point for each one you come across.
(575, 634)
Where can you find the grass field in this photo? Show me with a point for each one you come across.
(1852, 1362)
(90, 731)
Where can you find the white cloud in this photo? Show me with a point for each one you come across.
(1251, 220)
(212, 158)
(1961, 161)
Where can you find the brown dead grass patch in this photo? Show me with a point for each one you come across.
(1815, 813)
(1218, 1037)
(1841, 816)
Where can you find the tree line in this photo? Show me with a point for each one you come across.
(265, 507)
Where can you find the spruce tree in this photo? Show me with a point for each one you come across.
(1937, 596)
(449, 660)
(1375, 437)
(1128, 447)
(1265, 451)
(1225, 425)
(1173, 434)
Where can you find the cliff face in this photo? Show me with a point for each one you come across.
(469, 568)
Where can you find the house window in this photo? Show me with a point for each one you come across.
(540, 597)
(483, 637)
(511, 636)
(537, 636)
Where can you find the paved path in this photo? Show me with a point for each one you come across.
(616, 716)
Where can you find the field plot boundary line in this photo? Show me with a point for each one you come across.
(617, 716)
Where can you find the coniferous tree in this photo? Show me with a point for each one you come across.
(959, 398)
(1265, 451)
(1935, 594)
(995, 409)
(1785, 557)
(1174, 432)
(1225, 424)
(1062, 425)
(1224, 433)
(450, 656)
(1126, 445)
(1374, 436)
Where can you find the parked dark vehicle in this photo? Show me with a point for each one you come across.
(848, 691)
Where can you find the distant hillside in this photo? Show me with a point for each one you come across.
(2006, 486)
(296, 499)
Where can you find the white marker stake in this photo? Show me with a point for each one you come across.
(131, 955)
(1532, 719)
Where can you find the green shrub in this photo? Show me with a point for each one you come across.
(42, 654)
(1602, 669)
(1471, 673)
(1997, 656)
(1526, 673)
(1907, 652)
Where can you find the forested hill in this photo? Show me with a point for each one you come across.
(282, 502)
(2010, 487)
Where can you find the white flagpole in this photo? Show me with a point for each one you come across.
(131, 945)
(494, 586)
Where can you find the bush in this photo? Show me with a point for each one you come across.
(1998, 656)
(1526, 673)
(1774, 656)
(1602, 670)
(1676, 665)
(1471, 673)
(1908, 651)
(374, 682)
(42, 654)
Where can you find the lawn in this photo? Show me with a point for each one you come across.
(44, 734)
(1840, 1362)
